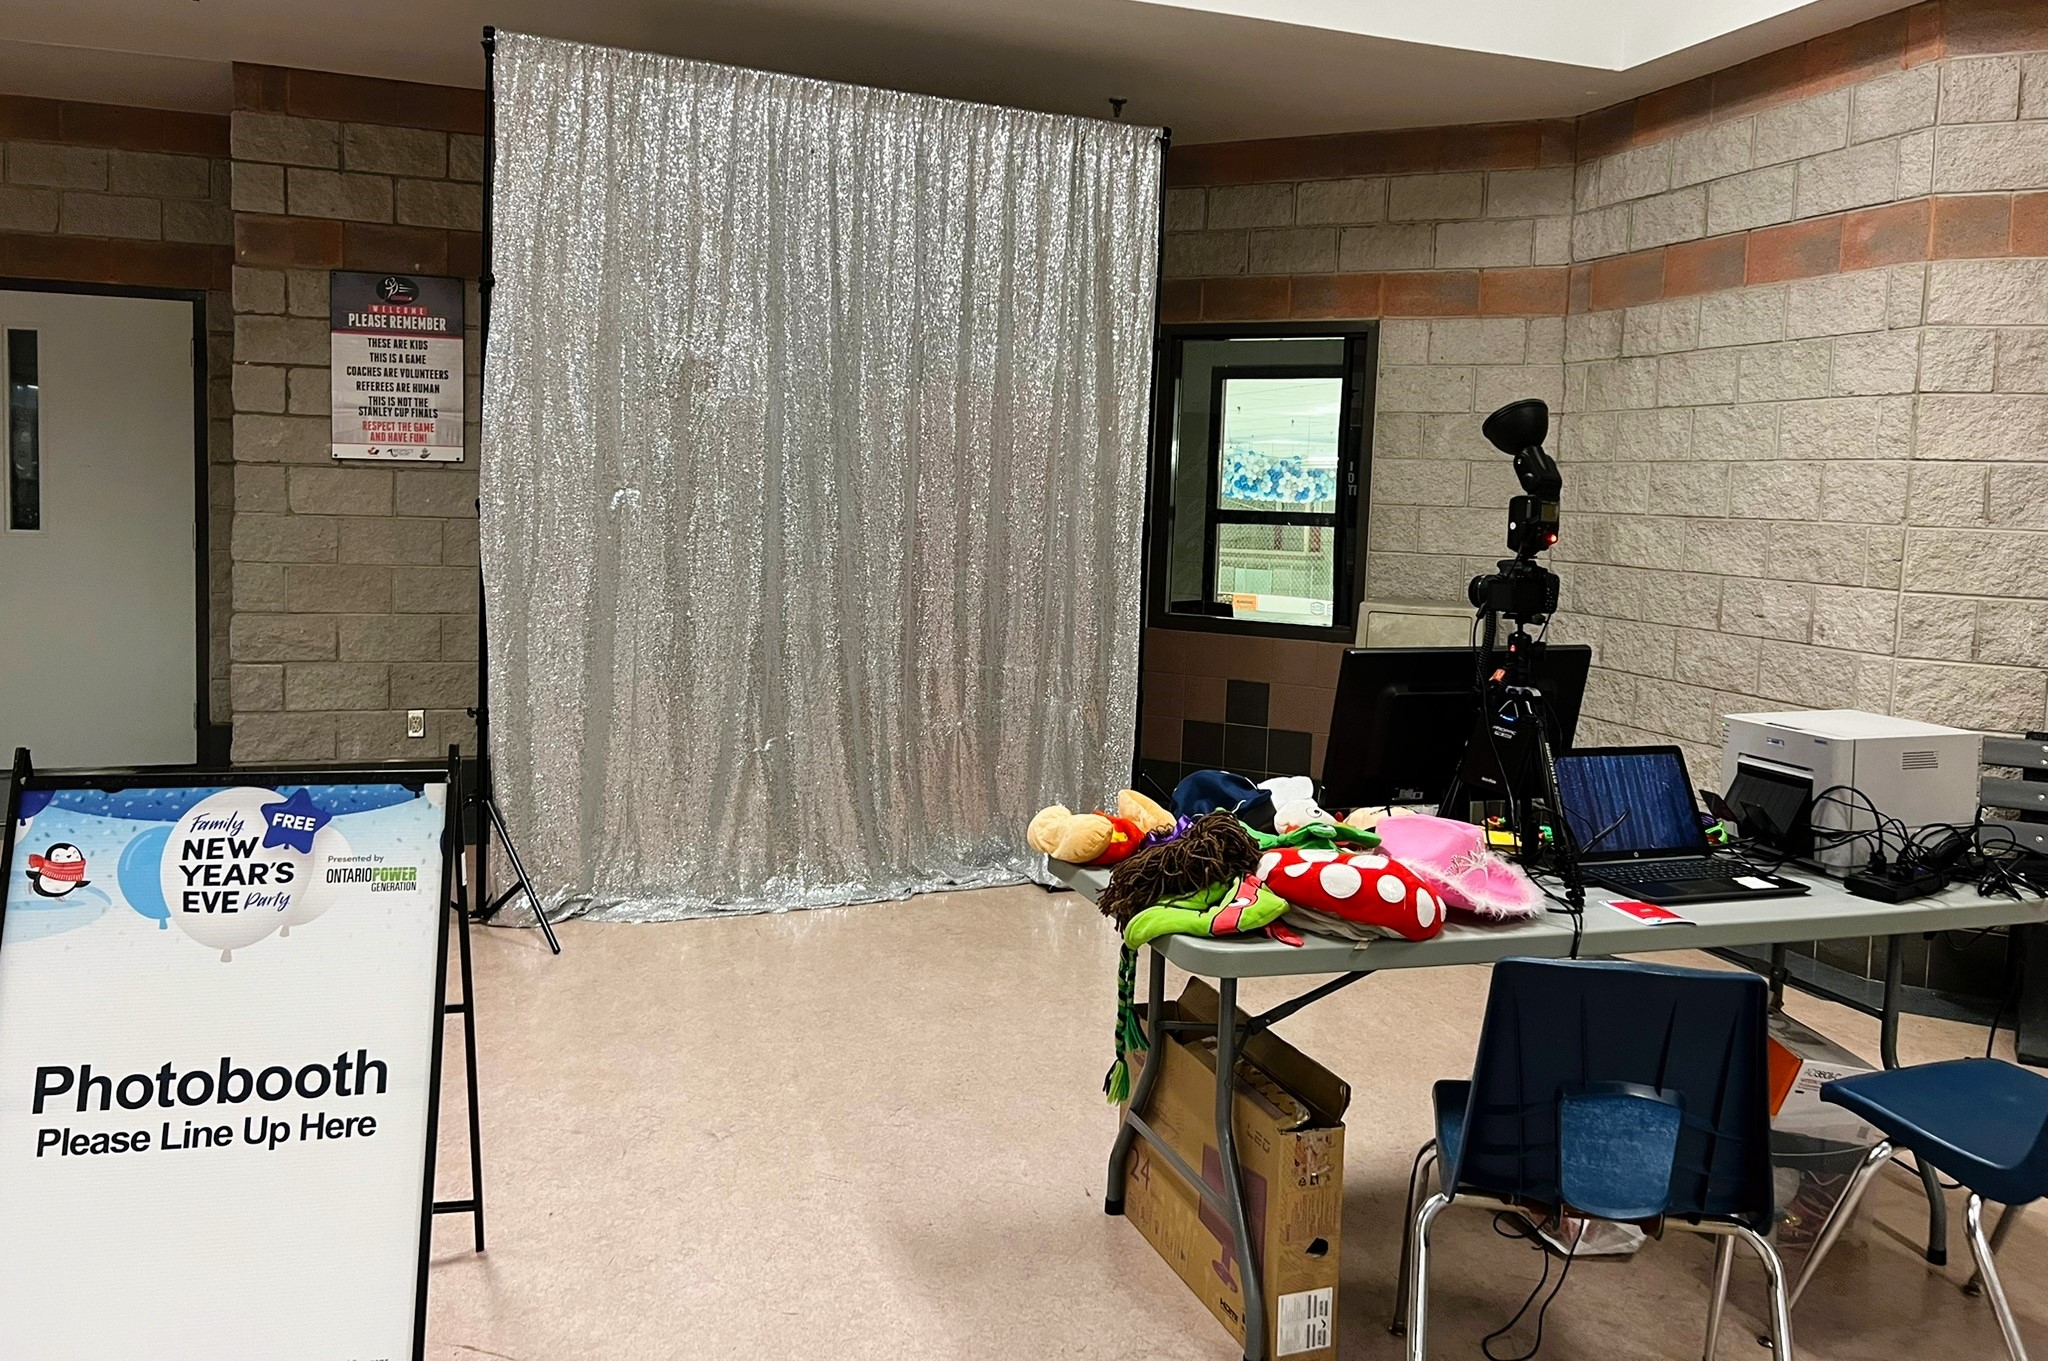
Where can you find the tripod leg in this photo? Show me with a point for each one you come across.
(519, 873)
(1563, 843)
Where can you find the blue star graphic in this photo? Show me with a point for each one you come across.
(293, 822)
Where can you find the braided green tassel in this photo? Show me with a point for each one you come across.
(1129, 1035)
(1117, 1085)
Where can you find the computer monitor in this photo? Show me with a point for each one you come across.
(1398, 730)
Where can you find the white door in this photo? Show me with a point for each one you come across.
(99, 649)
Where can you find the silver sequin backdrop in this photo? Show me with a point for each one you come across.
(813, 461)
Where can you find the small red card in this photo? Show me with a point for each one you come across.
(1649, 914)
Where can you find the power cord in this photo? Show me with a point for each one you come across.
(1509, 1225)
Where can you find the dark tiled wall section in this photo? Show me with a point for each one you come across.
(1256, 706)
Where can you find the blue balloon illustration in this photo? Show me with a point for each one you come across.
(140, 875)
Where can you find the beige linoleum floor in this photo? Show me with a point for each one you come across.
(877, 1132)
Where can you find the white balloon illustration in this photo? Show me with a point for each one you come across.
(232, 819)
(316, 895)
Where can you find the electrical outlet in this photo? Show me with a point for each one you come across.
(415, 722)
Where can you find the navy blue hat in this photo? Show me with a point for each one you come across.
(1207, 790)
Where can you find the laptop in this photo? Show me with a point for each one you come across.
(1632, 813)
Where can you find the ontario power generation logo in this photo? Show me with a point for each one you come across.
(227, 867)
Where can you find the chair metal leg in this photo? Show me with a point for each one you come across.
(1418, 1277)
(1724, 1262)
(1937, 1213)
(1418, 1177)
(1998, 1233)
(1973, 1219)
(1781, 1302)
(1844, 1210)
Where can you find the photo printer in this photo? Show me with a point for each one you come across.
(1775, 766)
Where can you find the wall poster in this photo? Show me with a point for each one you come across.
(395, 346)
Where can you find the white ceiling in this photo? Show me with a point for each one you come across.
(1213, 70)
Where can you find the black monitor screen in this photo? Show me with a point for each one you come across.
(1629, 801)
(1403, 714)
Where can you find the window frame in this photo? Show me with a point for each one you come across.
(1354, 460)
(1214, 517)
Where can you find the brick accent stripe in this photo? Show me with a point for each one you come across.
(95, 260)
(1936, 227)
(27, 119)
(1537, 292)
(1480, 146)
(358, 99)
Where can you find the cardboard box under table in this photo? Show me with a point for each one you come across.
(1288, 1122)
(1815, 1147)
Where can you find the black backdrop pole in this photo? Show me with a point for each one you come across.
(1148, 524)
(481, 779)
(483, 796)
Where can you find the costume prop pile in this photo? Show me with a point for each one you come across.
(1243, 859)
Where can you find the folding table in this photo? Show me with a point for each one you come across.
(1826, 912)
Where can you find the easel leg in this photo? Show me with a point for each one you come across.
(476, 1144)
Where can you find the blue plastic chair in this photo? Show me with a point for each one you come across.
(1619, 1091)
(1982, 1122)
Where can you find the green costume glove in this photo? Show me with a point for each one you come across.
(1314, 836)
(1218, 910)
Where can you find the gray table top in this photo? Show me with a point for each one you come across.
(1827, 912)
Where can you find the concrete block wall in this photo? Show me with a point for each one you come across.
(355, 585)
(1797, 365)
(138, 198)
(1805, 437)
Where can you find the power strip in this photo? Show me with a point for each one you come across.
(1886, 888)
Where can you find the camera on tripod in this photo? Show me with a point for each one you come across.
(1522, 588)
(1510, 761)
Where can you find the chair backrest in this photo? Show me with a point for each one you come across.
(2026, 795)
(1556, 1029)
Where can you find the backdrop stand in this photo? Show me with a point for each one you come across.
(481, 798)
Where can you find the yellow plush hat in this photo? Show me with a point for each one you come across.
(1063, 834)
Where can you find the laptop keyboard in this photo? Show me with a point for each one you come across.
(1668, 871)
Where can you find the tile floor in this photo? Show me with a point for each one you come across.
(876, 1132)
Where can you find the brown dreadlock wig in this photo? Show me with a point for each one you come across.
(1213, 850)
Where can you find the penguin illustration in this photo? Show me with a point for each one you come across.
(58, 870)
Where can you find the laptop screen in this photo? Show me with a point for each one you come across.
(1630, 802)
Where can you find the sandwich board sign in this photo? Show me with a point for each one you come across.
(220, 1048)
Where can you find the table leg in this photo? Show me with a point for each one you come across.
(1126, 1132)
(1780, 971)
(1233, 1181)
(1888, 1050)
